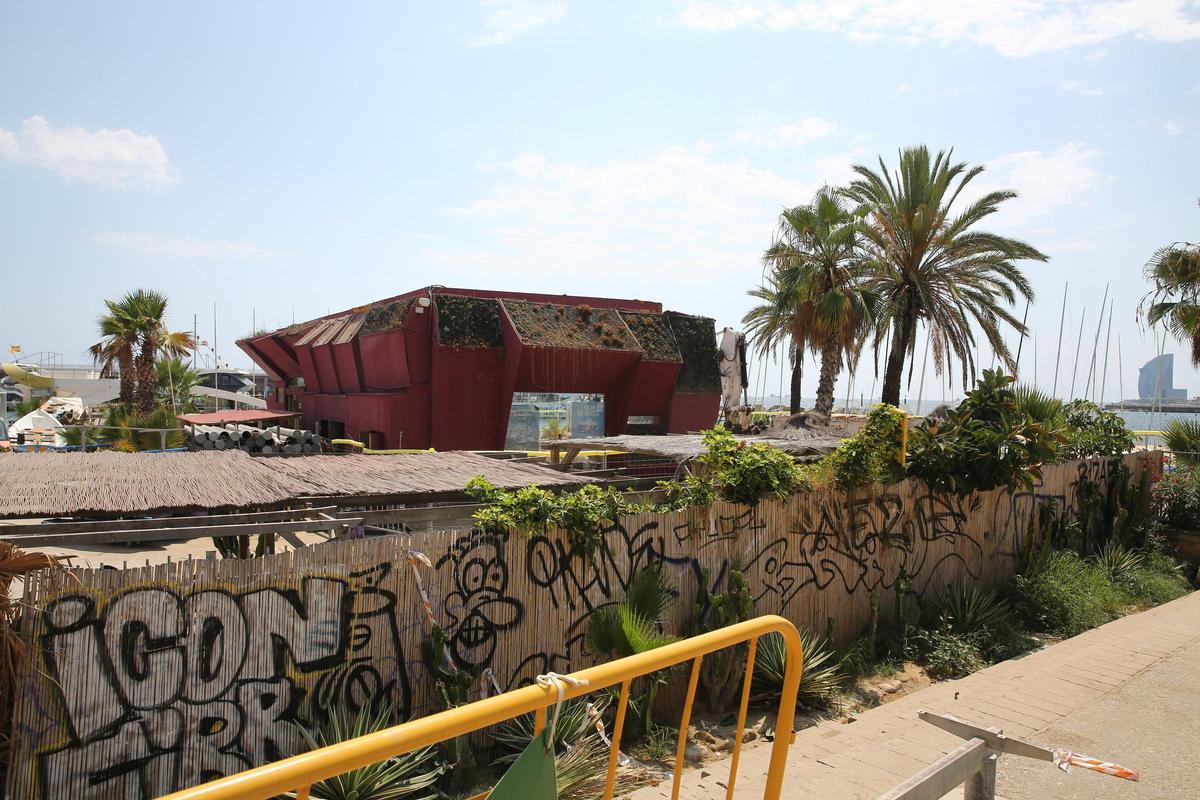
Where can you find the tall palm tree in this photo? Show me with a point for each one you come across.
(118, 347)
(816, 284)
(176, 379)
(770, 324)
(931, 265)
(135, 336)
(1174, 272)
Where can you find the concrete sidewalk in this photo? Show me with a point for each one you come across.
(1025, 697)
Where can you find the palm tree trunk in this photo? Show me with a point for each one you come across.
(894, 372)
(797, 373)
(831, 365)
(147, 380)
(127, 378)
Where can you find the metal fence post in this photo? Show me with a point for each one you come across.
(982, 785)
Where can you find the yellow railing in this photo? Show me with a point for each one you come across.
(298, 773)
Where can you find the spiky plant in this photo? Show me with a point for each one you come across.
(406, 775)
(581, 756)
(967, 610)
(1039, 405)
(819, 681)
(633, 626)
(1118, 561)
(1183, 439)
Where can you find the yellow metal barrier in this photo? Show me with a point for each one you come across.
(299, 773)
(369, 452)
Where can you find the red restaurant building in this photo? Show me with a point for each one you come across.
(438, 367)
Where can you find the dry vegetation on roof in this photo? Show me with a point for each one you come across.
(581, 327)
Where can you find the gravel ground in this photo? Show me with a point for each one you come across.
(1151, 724)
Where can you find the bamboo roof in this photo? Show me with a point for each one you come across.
(110, 483)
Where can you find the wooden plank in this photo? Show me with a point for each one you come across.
(292, 539)
(994, 737)
(160, 522)
(942, 776)
(177, 534)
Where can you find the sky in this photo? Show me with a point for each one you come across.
(281, 161)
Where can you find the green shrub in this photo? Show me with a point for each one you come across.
(582, 514)
(721, 672)
(986, 442)
(871, 455)
(1040, 406)
(1176, 499)
(820, 680)
(967, 610)
(1092, 433)
(1156, 579)
(734, 471)
(1067, 596)
(946, 654)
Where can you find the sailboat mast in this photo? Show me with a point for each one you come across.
(1078, 342)
(1107, 342)
(1058, 353)
(1089, 387)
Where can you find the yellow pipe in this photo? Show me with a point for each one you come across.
(614, 752)
(369, 452)
(741, 723)
(270, 780)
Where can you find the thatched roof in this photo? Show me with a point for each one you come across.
(108, 483)
(680, 447)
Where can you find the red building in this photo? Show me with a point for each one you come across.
(437, 367)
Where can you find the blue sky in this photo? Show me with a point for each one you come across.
(285, 158)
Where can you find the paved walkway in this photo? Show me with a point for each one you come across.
(1025, 697)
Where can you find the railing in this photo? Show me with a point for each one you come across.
(972, 764)
(298, 773)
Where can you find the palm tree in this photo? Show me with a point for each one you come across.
(770, 323)
(176, 379)
(932, 266)
(120, 331)
(815, 297)
(155, 341)
(1174, 271)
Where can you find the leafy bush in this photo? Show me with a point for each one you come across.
(946, 654)
(1156, 579)
(1067, 596)
(871, 455)
(1092, 433)
(582, 514)
(1117, 560)
(1040, 406)
(734, 471)
(1176, 499)
(819, 681)
(986, 442)
(1183, 439)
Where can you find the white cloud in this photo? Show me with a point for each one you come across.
(761, 132)
(1076, 86)
(119, 159)
(508, 19)
(1172, 129)
(1015, 29)
(678, 211)
(902, 88)
(158, 246)
(1045, 181)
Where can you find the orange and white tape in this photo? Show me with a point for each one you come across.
(1065, 759)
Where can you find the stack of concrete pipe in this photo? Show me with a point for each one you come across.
(253, 440)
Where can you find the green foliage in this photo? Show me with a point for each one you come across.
(1067, 596)
(410, 775)
(239, 546)
(820, 680)
(1157, 579)
(1183, 440)
(1090, 432)
(582, 514)
(634, 626)
(554, 429)
(1040, 406)
(176, 379)
(721, 672)
(967, 610)
(1117, 560)
(1176, 499)
(733, 471)
(986, 442)
(128, 430)
(513, 735)
(946, 654)
(871, 455)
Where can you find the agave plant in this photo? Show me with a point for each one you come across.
(966, 610)
(581, 756)
(821, 671)
(1183, 439)
(1040, 406)
(406, 775)
(1118, 561)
